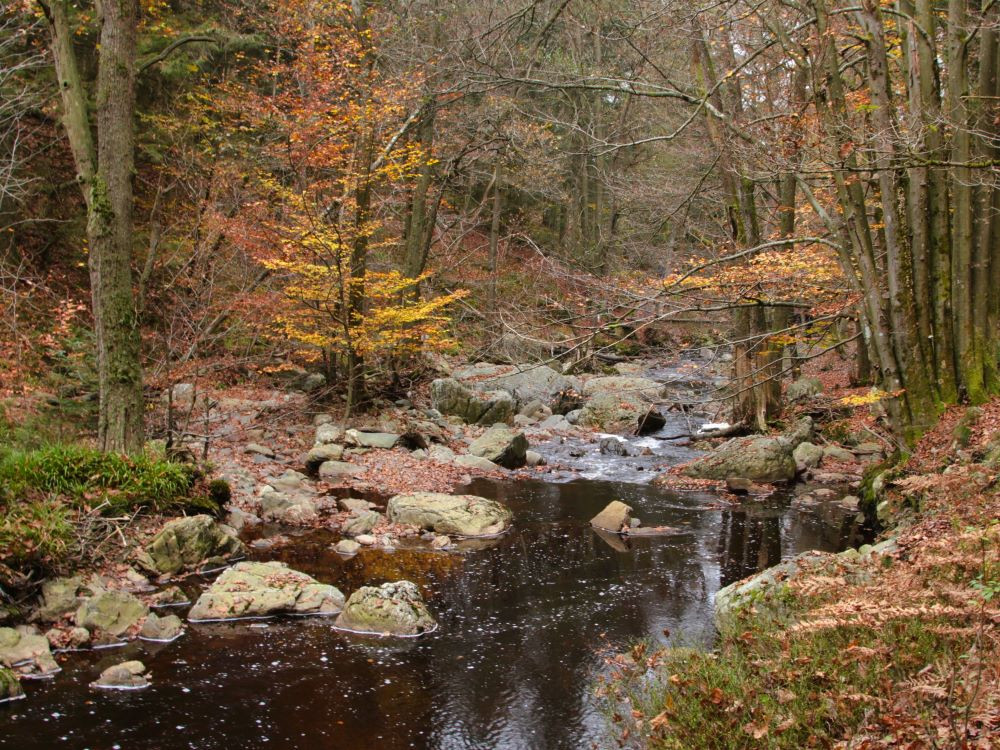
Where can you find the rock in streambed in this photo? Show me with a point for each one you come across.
(262, 589)
(390, 609)
(460, 515)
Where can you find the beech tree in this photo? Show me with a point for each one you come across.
(104, 173)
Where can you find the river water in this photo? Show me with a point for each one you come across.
(524, 621)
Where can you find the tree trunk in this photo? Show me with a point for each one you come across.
(106, 181)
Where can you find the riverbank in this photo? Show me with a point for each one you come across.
(896, 646)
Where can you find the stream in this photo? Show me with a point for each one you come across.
(524, 620)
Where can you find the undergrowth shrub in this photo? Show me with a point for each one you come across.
(87, 477)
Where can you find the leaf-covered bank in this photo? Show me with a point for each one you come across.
(897, 647)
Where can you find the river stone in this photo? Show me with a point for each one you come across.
(807, 456)
(615, 516)
(475, 462)
(111, 612)
(19, 646)
(613, 446)
(383, 440)
(366, 539)
(260, 589)
(60, 596)
(347, 547)
(525, 383)
(501, 445)
(161, 628)
(338, 469)
(390, 609)
(129, 675)
(803, 388)
(327, 433)
(441, 453)
(757, 458)
(624, 386)
(460, 515)
(534, 458)
(188, 543)
(451, 397)
(837, 453)
(238, 519)
(10, 686)
(361, 522)
(609, 411)
(322, 452)
(172, 596)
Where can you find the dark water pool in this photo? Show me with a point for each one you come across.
(523, 621)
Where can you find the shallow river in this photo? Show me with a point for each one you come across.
(524, 619)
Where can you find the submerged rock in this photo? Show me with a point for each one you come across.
(111, 612)
(189, 543)
(347, 547)
(615, 517)
(501, 445)
(260, 589)
(390, 609)
(10, 686)
(129, 675)
(462, 515)
(161, 628)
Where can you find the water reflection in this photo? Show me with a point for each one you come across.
(511, 666)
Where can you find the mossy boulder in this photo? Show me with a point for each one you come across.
(451, 397)
(803, 389)
(501, 445)
(395, 608)
(757, 458)
(460, 515)
(21, 646)
(189, 543)
(10, 686)
(111, 612)
(262, 589)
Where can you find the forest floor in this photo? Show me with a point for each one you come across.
(896, 647)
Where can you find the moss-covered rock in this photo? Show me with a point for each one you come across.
(390, 609)
(461, 515)
(187, 544)
(262, 589)
(111, 612)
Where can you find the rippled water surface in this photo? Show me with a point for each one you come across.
(523, 619)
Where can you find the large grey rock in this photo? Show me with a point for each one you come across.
(390, 609)
(19, 646)
(289, 481)
(757, 458)
(460, 515)
(803, 388)
(451, 397)
(609, 411)
(189, 543)
(261, 589)
(129, 675)
(837, 453)
(526, 383)
(501, 445)
(347, 547)
(807, 456)
(624, 386)
(615, 517)
(384, 440)
(111, 612)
